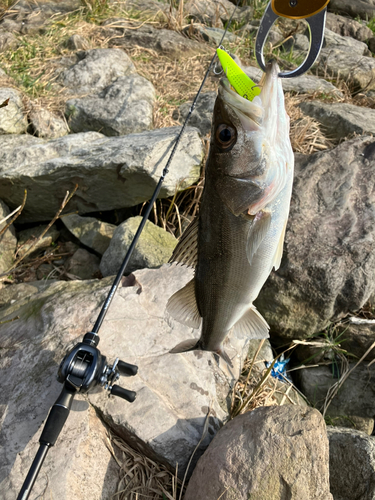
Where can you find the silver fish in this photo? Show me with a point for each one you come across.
(239, 234)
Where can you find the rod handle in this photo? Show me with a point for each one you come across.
(127, 368)
(57, 417)
(123, 393)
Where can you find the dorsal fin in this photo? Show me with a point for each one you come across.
(186, 251)
(252, 325)
(182, 306)
(257, 233)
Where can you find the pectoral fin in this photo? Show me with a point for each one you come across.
(279, 251)
(252, 325)
(182, 306)
(186, 251)
(259, 228)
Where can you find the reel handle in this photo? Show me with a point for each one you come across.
(123, 393)
(127, 369)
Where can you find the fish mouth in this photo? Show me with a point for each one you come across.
(263, 108)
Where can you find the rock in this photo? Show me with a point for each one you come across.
(92, 232)
(298, 42)
(328, 264)
(111, 172)
(359, 8)
(174, 392)
(9, 294)
(355, 397)
(202, 114)
(341, 120)
(211, 12)
(371, 44)
(335, 63)
(345, 43)
(47, 125)
(83, 264)
(7, 41)
(12, 117)
(277, 452)
(31, 17)
(124, 107)
(96, 69)
(212, 35)
(362, 424)
(77, 42)
(154, 247)
(357, 339)
(168, 42)
(8, 240)
(305, 84)
(351, 464)
(28, 237)
(274, 36)
(345, 26)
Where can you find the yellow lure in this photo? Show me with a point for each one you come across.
(239, 80)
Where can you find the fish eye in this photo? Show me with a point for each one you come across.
(226, 135)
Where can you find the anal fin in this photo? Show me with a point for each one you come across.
(182, 306)
(252, 325)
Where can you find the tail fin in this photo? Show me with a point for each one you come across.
(194, 345)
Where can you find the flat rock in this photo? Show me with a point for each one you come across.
(32, 239)
(168, 42)
(274, 36)
(213, 12)
(277, 452)
(357, 339)
(328, 264)
(355, 397)
(335, 63)
(351, 464)
(202, 114)
(341, 120)
(12, 117)
(154, 248)
(111, 172)
(92, 232)
(305, 84)
(82, 264)
(47, 125)
(211, 35)
(363, 9)
(124, 107)
(174, 391)
(95, 70)
(345, 26)
(8, 240)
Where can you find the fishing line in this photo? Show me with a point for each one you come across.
(119, 275)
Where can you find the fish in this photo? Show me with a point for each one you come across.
(238, 236)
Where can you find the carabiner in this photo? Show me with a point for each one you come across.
(316, 22)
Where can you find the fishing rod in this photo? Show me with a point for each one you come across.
(84, 367)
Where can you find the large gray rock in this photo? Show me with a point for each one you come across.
(82, 265)
(214, 12)
(125, 107)
(111, 172)
(333, 40)
(363, 9)
(128, 35)
(328, 268)
(356, 396)
(211, 35)
(345, 26)
(174, 392)
(341, 120)
(359, 71)
(351, 464)
(47, 125)
(8, 240)
(95, 70)
(12, 117)
(92, 232)
(277, 452)
(358, 338)
(305, 84)
(154, 248)
(202, 114)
